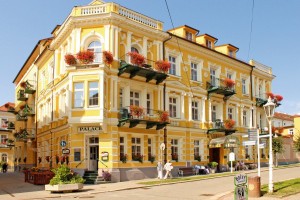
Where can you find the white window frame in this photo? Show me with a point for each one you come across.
(194, 71)
(245, 85)
(175, 148)
(214, 112)
(188, 35)
(3, 137)
(91, 90)
(291, 131)
(195, 110)
(245, 118)
(173, 62)
(98, 52)
(230, 113)
(174, 105)
(135, 100)
(149, 104)
(79, 98)
(3, 124)
(208, 44)
(134, 143)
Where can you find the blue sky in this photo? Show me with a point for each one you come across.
(275, 35)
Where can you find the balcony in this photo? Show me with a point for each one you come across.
(20, 117)
(28, 86)
(260, 102)
(144, 70)
(137, 115)
(7, 144)
(25, 134)
(11, 126)
(21, 96)
(27, 111)
(219, 86)
(219, 126)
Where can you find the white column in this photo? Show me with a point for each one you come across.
(116, 43)
(107, 38)
(209, 110)
(159, 50)
(251, 117)
(114, 93)
(182, 105)
(101, 89)
(241, 116)
(128, 46)
(203, 120)
(144, 98)
(254, 117)
(237, 116)
(77, 40)
(190, 106)
(167, 99)
(221, 114)
(226, 110)
(264, 88)
(145, 40)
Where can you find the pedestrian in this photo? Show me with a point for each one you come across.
(4, 167)
(168, 167)
(159, 170)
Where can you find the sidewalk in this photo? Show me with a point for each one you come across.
(12, 186)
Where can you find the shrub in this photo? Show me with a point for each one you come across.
(213, 164)
(63, 175)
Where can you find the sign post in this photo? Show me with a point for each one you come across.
(231, 158)
(241, 189)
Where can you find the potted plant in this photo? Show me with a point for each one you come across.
(278, 97)
(64, 180)
(138, 157)
(151, 158)
(213, 166)
(123, 158)
(229, 123)
(229, 83)
(162, 66)
(136, 58)
(106, 175)
(85, 57)
(197, 157)
(136, 111)
(107, 57)
(163, 116)
(70, 59)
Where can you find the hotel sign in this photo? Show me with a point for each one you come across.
(86, 129)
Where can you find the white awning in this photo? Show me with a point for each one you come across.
(229, 141)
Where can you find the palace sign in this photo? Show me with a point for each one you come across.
(86, 129)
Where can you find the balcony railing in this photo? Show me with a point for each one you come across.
(20, 117)
(219, 126)
(11, 126)
(28, 86)
(27, 110)
(145, 71)
(220, 86)
(21, 96)
(25, 134)
(149, 117)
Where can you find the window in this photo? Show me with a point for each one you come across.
(291, 131)
(231, 53)
(93, 94)
(194, 72)
(213, 113)
(77, 156)
(230, 113)
(229, 76)
(195, 110)
(197, 150)
(172, 61)
(78, 95)
(4, 157)
(133, 49)
(248, 152)
(150, 150)
(122, 149)
(3, 139)
(245, 118)
(121, 98)
(94, 140)
(4, 122)
(244, 88)
(188, 35)
(134, 98)
(95, 47)
(213, 79)
(172, 107)
(208, 44)
(149, 111)
(174, 149)
(136, 148)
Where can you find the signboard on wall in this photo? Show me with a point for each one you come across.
(86, 129)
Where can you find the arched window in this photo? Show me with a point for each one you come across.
(95, 47)
(4, 157)
(133, 49)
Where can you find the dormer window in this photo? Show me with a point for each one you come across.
(189, 36)
(231, 53)
(208, 44)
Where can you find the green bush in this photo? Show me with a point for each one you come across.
(233, 163)
(63, 175)
(213, 165)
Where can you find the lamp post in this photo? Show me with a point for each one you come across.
(269, 108)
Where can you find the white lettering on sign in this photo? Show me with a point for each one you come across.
(84, 129)
(240, 179)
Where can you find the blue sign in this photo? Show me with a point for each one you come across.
(63, 143)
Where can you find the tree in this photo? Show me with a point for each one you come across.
(297, 144)
(277, 145)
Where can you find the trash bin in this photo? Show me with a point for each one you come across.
(254, 186)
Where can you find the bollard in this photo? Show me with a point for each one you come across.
(254, 186)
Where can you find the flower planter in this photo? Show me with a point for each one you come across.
(64, 187)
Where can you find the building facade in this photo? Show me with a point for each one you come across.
(87, 114)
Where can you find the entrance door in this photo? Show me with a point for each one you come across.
(94, 156)
(214, 155)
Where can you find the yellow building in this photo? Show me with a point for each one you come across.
(6, 136)
(86, 109)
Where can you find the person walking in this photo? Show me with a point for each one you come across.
(168, 167)
(159, 170)
(4, 167)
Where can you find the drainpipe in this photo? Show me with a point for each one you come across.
(251, 85)
(164, 99)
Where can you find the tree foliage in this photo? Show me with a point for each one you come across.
(277, 145)
(297, 144)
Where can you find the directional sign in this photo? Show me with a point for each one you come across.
(240, 179)
(241, 193)
(63, 143)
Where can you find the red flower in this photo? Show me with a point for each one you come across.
(23, 84)
(163, 116)
(278, 97)
(85, 57)
(136, 58)
(70, 59)
(270, 94)
(136, 110)
(162, 65)
(22, 107)
(6, 105)
(229, 83)
(229, 123)
(107, 57)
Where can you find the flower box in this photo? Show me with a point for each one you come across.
(163, 116)
(136, 111)
(107, 57)
(85, 57)
(162, 66)
(136, 58)
(70, 59)
(64, 187)
(229, 124)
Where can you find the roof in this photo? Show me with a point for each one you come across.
(283, 116)
(205, 34)
(5, 106)
(184, 26)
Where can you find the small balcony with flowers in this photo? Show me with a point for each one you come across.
(10, 125)
(276, 98)
(25, 135)
(7, 143)
(29, 86)
(224, 87)
(138, 66)
(226, 126)
(21, 95)
(135, 115)
(10, 108)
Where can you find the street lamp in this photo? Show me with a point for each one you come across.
(269, 110)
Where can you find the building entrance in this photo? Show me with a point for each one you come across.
(93, 153)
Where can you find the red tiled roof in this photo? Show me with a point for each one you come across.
(283, 116)
(3, 108)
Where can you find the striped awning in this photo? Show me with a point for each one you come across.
(229, 141)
